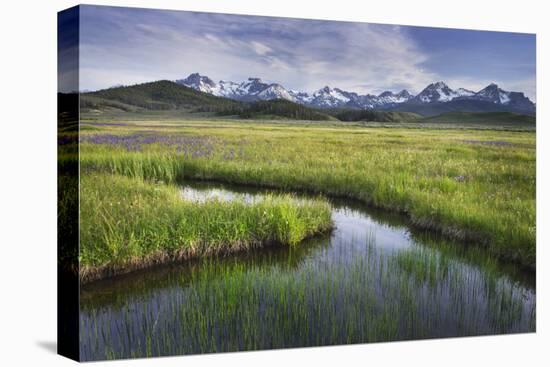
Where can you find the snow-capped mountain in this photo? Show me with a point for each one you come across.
(254, 89)
(328, 97)
(440, 92)
(275, 91)
(226, 89)
(390, 97)
(250, 90)
(387, 98)
(493, 93)
(201, 83)
(301, 97)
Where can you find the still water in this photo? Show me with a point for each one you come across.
(372, 279)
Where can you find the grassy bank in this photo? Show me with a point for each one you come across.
(470, 184)
(129, 223)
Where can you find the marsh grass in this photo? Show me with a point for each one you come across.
(484, 193)
(129, 223)
(366, 295)
(457, 182)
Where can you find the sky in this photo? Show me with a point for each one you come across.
(130, 45)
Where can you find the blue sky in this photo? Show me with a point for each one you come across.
(127, 46)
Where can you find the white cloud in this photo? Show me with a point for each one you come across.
(260, 48)
(300, 54)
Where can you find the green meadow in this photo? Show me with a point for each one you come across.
(475, 185)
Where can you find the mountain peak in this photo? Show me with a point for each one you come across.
(492, 93)
(253, 89)
(197, 77)
(436, 92)
(491, 88)
(438, 85)
(385, 94)
(388, 98)
(199, 82)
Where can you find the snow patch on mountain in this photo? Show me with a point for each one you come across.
(436, 92)
(393, 98)
(504, 98)
(462, 92)
(254, 89)
(329, 97)
(275, 91)
(199, 82)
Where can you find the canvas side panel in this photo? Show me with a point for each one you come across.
(68, 183)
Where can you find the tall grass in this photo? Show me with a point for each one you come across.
(337, 295)
(446, 180)
(129, 223)
(152, 166)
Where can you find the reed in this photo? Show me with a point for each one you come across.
(362, 295)
(128, 223)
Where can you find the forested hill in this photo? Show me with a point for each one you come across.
(277, 108)
(159, 95)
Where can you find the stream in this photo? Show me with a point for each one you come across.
(373, 278)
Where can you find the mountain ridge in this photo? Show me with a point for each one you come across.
(165, 95)
(174, 98)
(254, 89)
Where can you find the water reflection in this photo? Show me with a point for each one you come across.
(372, 279)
